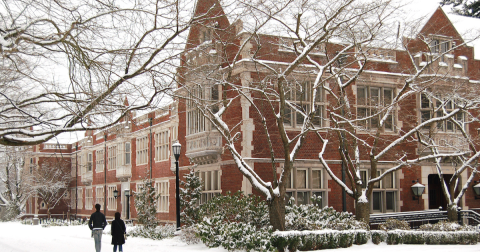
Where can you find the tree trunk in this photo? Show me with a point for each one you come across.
(452, 213)
(362, 211)
(276, 210)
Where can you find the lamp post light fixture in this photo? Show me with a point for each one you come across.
(127, 194)
(176, 148)
(417, 190)
(476, 189)
(115, 193)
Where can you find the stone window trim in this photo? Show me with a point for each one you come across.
(385, 193)
(211, 181)
(305, 181)
(430, 108)
(162, 189)
(371, 99)
(302, 97)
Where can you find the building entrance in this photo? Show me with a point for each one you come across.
(436, 198)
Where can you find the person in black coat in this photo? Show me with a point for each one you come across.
(118, 232)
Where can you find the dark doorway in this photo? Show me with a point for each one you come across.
(436, 198)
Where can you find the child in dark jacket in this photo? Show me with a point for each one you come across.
(118, 232)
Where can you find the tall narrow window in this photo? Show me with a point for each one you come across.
(142, 150)
(99, 161)
(112, 157)
(161, 146)
(161, 189)
(99, 196)
(88, 198)
(111, 200)
(80, 198)
(127, 154)
(89, 162)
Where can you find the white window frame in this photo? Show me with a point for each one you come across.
(79, 198)
(88, 198)
(100, 190)
(433, 110)
(99, 162)
(162, 190)
(372, 106)
(162, 149)
(89, 167)
(211, 181)
(292, 189)
(111, 200)
(382, 189)
(142, 150)
(112, 158)
(303, 100)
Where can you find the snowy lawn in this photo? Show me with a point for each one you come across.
(15, 237)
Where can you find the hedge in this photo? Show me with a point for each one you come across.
(330, 239)
(318, 239)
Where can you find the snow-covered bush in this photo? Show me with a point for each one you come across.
(189, 235)
(190, 195)
(237, 207)
(146, 204)
(215, 232)
(446, 226)
(318, 239)
(27, 222)
(311, 217)
(394, 224)
(378, 236)
(158, 233)
(429, 237)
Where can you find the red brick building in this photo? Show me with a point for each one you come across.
(119, 159)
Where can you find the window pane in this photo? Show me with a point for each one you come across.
(388, 180)
(301, 179)
(425, 116)
(215, 180)
(287, 120)
(377, 185)
(316, 179)
(389, 123)
(302, 198)
(363, 176)
(375, 96)
(387, 96)
(319, 201)
(377, 201)
(288, 195)
(425, 103)
(449, 125)
(390, 198)
(317, 119)
(362, 113)
(318, 95)
(361, 95)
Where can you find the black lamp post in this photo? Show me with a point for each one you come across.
(76, 180)
(127, 194)
(476, 189)
(150, 121)
(177, 147)
(417, 190)
(105, 176)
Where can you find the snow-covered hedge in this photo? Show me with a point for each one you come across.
(234, 235)
(158, 233)
(393, 237)
(318, 239)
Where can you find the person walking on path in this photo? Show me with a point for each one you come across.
(118, 233)
(97, 224)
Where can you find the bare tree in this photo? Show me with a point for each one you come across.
(329, 51)
(13, 180)
(50, 181)
(68, 65)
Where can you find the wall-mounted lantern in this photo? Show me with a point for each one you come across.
(417, 189)
(476, 189)
(115, 193)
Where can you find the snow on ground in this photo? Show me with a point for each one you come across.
(15, 237)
